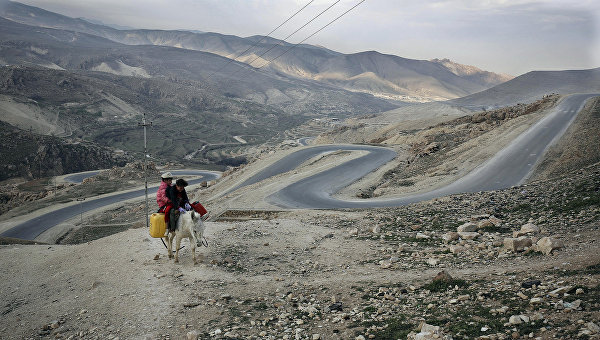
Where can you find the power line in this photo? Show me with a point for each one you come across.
(284, 39)
(261, 40)
(319, 30)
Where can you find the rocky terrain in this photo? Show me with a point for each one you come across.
(517, 263)
(30, 155)
(510, 264)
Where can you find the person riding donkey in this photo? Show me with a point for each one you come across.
(165, 201)
(179, 202)
(161, 195)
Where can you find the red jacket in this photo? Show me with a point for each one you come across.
(161, 195)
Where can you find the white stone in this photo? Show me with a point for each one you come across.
(450, 236)
(385, 264)
(547, 244)
(429, 328)
(495, 220)
(432, 262)
(456, 249)
(515, 320)
(485, 224)
(468, 235)
(502, 309)
(193, 335)
(421, 236)
(535, 301)
(528, 228)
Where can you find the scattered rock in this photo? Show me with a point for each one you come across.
(456, 249)
(450, 236)
(518, 319)
(594, 328)
(528, 228)
(547, 244)
(421, 236)
(193, 335)
(467, 227)
(468, 235)
(531, 283)
(442, 276)
(517, 244)
(426, 332)
(336, 307)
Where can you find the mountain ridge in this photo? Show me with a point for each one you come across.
(301, 63)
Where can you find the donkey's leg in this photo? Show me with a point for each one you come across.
(193, 244)
(169, 239)
(177, 244)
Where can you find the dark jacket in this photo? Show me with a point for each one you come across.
(178, 200)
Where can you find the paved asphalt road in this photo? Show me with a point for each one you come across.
(510, 167)
(376, 158)
(30, 229)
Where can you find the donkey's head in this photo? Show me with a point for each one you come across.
(198, 227)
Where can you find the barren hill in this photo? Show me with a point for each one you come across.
(385, 76)
(531, 86)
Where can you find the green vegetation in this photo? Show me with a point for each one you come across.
(394, 328)
(443, 285)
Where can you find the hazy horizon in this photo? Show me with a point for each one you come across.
(499, 36)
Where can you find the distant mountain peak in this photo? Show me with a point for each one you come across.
(382, 75)
(461, 69)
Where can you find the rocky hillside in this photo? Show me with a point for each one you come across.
(433, 154)
(519, 263)
(96, 89)
(30, 155)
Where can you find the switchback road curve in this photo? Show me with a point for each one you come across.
(32, 228)
(510, 167)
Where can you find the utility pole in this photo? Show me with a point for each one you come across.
(80, 200)
(144, 124)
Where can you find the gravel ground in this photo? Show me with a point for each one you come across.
(343, 274)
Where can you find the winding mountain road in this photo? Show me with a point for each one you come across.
(511, 166)
(32, 228)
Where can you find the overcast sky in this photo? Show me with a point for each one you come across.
(507, 36)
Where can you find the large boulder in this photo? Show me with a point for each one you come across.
(547, 244)
(428, 332)
(467, 227)
(528, 228)
(517, 244)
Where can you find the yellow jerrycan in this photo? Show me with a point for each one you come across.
(157, 225)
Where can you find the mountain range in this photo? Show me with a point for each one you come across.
(382, 75)
(206, 92)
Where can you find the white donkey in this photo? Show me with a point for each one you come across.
(189, 225)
